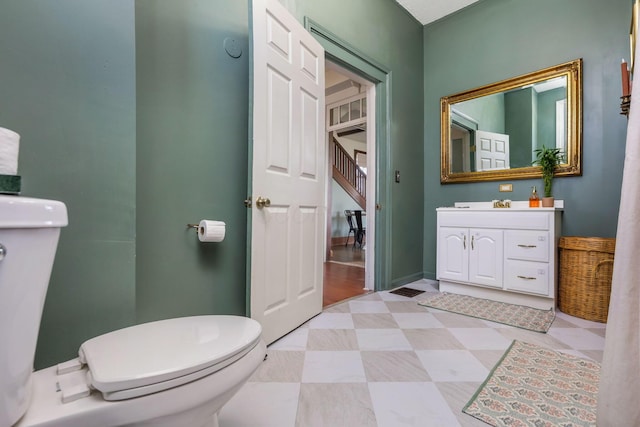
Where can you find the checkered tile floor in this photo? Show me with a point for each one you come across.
(383, 360)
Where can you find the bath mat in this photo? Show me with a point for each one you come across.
(532, 386)
(519, 316)
(406, 292)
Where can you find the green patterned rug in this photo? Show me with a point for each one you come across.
(519, 316)
(532, 386)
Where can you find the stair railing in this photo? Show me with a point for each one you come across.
(354, 180)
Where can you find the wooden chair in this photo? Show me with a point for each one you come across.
(352, 228)
(361, 231)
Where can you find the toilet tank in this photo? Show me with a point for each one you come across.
(29, 231)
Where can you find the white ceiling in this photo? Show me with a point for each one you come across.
(427, 11)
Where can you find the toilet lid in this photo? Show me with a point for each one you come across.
(161, 351)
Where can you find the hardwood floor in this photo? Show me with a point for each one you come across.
(341, 280)
(348, 254)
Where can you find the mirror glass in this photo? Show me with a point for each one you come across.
(490, 133)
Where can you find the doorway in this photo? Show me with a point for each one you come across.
(350, 116)
(287, 249)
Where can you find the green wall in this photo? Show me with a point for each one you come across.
(192, 118)
(520, 113)
(133, 114)
(488, 111)
(547, 112)
(67, 86)
(524, 36)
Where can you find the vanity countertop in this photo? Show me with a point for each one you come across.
(516, 205)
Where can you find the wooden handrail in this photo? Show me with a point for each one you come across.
(348, 174)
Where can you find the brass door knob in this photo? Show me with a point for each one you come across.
(261, 202)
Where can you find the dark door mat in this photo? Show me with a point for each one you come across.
(407, 292)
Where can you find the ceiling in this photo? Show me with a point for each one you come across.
(427, 11)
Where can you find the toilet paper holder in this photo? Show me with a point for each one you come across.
(209, 230)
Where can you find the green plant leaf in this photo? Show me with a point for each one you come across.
(548, 159)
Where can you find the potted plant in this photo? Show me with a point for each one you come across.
(548, 159)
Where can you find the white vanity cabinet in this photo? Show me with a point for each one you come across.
(506, 255)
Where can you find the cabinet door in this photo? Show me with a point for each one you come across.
(453, 254)
(485, 257)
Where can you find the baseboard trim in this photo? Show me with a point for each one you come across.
(406, 279)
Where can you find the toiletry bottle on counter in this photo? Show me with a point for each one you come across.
(534, 200)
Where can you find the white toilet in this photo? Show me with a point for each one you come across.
(175, 372)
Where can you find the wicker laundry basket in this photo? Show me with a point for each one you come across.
(584, 282)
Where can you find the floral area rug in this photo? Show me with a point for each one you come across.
(532, 386)
(519, 316)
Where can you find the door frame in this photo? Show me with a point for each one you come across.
(342, 53)
(369, 96)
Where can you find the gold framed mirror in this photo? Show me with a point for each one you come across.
(490, 133)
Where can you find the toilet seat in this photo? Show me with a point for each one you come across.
(184, 405)
(156, 356)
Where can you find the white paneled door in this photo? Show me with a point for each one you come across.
(289, 167)
(492, 151)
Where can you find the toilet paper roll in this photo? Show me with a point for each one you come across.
(211, 231)
(9, 147)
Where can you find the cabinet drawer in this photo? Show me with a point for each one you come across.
(527, 245)
(527, 276)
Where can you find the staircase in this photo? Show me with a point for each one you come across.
(349, 175)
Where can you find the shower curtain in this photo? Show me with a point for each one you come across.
(618, 396)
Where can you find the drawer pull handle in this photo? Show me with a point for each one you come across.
(526, 278)
(527, 246)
